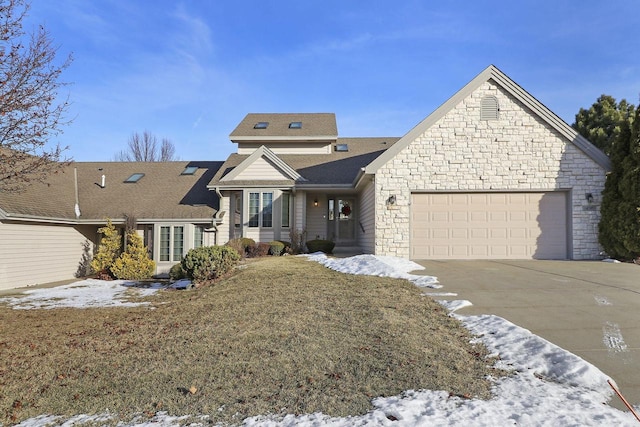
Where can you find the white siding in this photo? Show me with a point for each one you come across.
(366, 201)
(316, 217)
(286, 148)
(300, 210)
(261, 169)
(33, 254)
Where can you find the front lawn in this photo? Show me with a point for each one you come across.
(283, 335)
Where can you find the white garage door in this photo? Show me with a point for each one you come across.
(489, 225)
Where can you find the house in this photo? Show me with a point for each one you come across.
(491, 174)
(47, 231)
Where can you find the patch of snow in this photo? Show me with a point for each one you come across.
(90, 293)
(375, 265)
(615, 261)
(455, 304)
(601, 300)
(612, 338)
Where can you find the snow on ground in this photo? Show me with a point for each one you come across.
(549, 386)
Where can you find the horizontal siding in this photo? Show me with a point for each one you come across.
(32, 254)
(261, 169)
(287, 148)
(366, 238)
(316, 217)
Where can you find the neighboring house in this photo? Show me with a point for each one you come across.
(492, 173)
(45, 231)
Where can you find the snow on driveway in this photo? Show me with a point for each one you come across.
(549, 386)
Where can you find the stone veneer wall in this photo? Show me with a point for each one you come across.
(517, 152)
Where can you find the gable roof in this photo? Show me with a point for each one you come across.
(502, 80)
(163, 193)
(315, 127)
(340, 168)
(261, 152)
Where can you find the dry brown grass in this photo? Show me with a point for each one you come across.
(283, 335)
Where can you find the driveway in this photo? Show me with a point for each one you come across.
(589, 308)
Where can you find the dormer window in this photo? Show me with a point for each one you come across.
(342, 147)
(134, 178)
(295, 125)
(261, 125)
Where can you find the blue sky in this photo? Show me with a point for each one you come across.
(190, 70)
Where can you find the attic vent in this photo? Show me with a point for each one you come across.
(261, 125)
(342, 147)
(189, 170)
(134, 178)
(295, 125)
(489, 108)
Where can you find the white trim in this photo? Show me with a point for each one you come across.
(263, 151)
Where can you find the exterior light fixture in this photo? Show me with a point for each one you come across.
(315, 202)
(391, 200)
(589, 197)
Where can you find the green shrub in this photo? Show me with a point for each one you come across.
(209, 262)
(276, 248)
(134, 263)
(319, 245)
(177, 272)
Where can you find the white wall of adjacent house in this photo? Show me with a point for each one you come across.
(366, 230)
(32, 254)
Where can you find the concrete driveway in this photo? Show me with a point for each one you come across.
(589, 308)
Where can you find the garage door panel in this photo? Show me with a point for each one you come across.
(489, 225)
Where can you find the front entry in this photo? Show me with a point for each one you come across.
(341, 221)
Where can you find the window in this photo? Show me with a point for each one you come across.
(489, 108)
(267, 209)
(295, 125)
(261, 210)
(342, 147)
(286, 209)
(261, 125)
(189, 170)
(198, 236)
(134, 178)
(171, 243)
(254, 209)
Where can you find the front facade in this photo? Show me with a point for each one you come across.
(491, 174)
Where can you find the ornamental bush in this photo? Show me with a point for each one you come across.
(176, 272)
(134, 263)
(319, 245)
(209, 262)
(276, 248)
(108, 250)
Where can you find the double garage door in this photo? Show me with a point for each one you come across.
(489, 225)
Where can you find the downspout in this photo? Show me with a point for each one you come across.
(75, 181)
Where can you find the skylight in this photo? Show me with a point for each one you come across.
(342, 147)
(261, 125)
(295, 125)
(189, 170)
(134, 178)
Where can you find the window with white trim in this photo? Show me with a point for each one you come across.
(171, 243)
(285, 199)
(261, 209)
(198, 236)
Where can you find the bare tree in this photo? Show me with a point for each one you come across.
(144, 148)
(30, 112)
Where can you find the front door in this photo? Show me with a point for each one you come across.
(341, 224)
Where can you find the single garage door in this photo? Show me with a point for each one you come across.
(489, 225)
